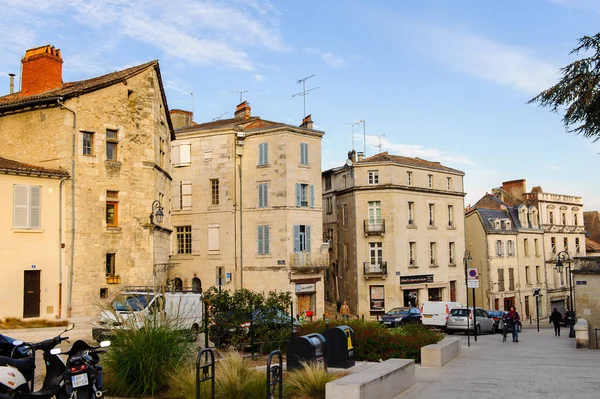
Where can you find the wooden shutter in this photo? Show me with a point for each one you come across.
(185, 154)
(213, 237)
(186, 195)
(296, 238)
(21, 207)
(267, 239)
(307, 237)
(175, 159)
(35, 207)
(176, 190)
(312, 196)
(298, 194)
(260, 239)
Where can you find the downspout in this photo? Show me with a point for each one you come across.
(235, 205)
(241, 230)
(60, 257)
(70, 290)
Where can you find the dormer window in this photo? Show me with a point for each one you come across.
(497, 224)
(507, 225)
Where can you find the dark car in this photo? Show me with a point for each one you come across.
(399, 316)
(497, 315)
(569, 318)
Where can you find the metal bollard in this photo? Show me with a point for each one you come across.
(206, 367)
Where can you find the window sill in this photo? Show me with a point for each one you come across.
(183, 256)
(411, 226)
(303, 165)
(453, 227)
(413, 266)
(214, 253)
(263, 165)
(433, 227)
(112, 164)
(113, 229)
(263, 255)
(35, 231)
(452, 265)
(434, 266)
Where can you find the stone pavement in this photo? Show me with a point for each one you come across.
(540, 365)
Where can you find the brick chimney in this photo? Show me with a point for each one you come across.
(181, 118)
(41, 70)
(307, 122)
(517, 188)
(242, 111)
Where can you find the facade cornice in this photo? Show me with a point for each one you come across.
(398, 187)
(407, 165)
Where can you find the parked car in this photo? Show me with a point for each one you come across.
(497, 317)
(399, 316)
(569, 318)
(435, 313)
(457, 321)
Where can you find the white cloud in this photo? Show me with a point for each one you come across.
(334, 61)
(258, 78)
(486, 59)
(554, 167)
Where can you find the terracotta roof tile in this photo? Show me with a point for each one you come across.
(385, 157)
(8, 165)
(591, 246)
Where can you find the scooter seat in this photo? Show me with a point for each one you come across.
(23, 365)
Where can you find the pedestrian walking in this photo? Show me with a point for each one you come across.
(514, 319)
(338, 305)
(345, 310)
(556, 318)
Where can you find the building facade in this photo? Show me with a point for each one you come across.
(247, 206)
(112, 134)
(396, 229)
(29, 240)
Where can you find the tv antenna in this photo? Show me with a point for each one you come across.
(353, 124)
(192, 95)
(220, 116)
(304, 92)
(380, 146)
(241, 94)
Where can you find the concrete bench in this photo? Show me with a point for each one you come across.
(437, 355)
(582, 333)
(384, 380)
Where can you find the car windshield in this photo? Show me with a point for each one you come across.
(496, 313)
(133, 302)
(459, 312)
(398, 312)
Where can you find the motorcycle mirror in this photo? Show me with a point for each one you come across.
(17, 342)
(104, 344)
(55, 351)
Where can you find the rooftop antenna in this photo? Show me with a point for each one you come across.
(353, 124)
(380, 146)
(241, 94)
(364, 137)
(304, 92)
(192, 94)
(220, 116)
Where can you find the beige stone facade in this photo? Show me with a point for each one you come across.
(586, 292)
(32, 273)
(112, 134)
(396, 230)
(247, 207)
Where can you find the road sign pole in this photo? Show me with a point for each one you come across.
(474, 317)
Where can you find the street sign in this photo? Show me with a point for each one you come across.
(472, 283)
(472, 273)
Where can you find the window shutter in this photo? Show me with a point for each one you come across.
(307, 237)
(185, 154)
(266, 153)
(267, 239)
(296, 238)
(259, 241)
(260, 196)
(260, 154)
(298, 194)
(21, 202)
(266, 195)
(35, 209)
(176, 203)
(175, 155)
(312, 196)
(186, 195)
(501, 248)
(213, 237)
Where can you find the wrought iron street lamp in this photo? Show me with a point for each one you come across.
(563, 256)
(157, 211)
(467, 260)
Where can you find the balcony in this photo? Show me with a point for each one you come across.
(309, 261)
(374, 227)
(375, 270)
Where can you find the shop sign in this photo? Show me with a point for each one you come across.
(306, 288)
(377, 300)
(417, 279)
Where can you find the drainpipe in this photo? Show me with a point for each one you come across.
(241, 231)
(70, 290)
(60, 256)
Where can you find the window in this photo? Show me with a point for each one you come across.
(181, 154)
(263, 195)
(551, 217)
(110, 265)
(510, 248)
(526, 246)
(87, 146)
(112, 144)
(303, 153)
(27, 207)
(264, 239)
(161, 152)
(344, 183)
(213, 238)
(538, 276)
(449, 180)
(499, 248)
(430, 181)
(263, 154)
(511, 279)
(328, 182)
(564, 218)
(373, 177)
(450, 215)
(432, 254)
(329, 205)
(183, 195)
(553, 244)
(537, 247)
(208, 155)
(432, 214)
(301, 238)
(412, 253)
(566, 244)
(345, 254)
(575, 221)
(527, 278)
(374, 212)
(451, 249)
(376, 253)
(409, 180)
(214, 188)
(304, 193)
(411, 213)
(501, 279)
(345, 215)
(112, 208)
(577, 248)
(184, 239)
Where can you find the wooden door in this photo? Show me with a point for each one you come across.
(303, 303)
(31, 294)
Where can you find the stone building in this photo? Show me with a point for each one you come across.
(112, 134)
(396, 230)
(586, 292)
(29, 237)
(247, 206)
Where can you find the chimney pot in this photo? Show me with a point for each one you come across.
(41, 70)
(352, 155)
(361, 156)
(242, 111)
(307, 122)
(12, 82)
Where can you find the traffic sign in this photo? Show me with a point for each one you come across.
(472, 283)
(473, 273)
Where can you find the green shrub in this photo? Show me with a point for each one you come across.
(308, 382)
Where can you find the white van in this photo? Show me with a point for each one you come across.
(434, 313)
(134, 305)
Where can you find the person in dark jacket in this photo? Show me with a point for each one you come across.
(514, 319)
(556, 318)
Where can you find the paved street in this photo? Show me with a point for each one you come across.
(540, 365)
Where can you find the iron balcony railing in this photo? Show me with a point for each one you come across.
(374, 227)
(375, 270)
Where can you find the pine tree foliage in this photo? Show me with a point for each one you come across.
(578, 91)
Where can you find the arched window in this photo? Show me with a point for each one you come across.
(178, 284)
(196, 285)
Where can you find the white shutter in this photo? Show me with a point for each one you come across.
(35, 208)
(185, 154)
(21, 206)
(213, 237)
(186, 195)
(176, 202)
(175, 158)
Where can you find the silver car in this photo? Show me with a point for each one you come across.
(457, 321)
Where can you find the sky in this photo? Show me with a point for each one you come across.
(442, 80)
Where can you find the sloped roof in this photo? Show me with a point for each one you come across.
(254, 122)
(8, 165)
(488, 215)
(385, 157)
(591, 245)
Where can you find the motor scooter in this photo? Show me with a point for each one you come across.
(84, 377)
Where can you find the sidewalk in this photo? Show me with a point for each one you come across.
(82, 330)
(540, 365)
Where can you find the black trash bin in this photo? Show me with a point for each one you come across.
(340, 347)
(307, 348)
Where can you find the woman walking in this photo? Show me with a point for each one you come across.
(514, 319)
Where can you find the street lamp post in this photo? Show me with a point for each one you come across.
(467, 259)
(564, 256)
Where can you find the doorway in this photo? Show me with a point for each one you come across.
(31, 294)
(508, 302)
(196, 285)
